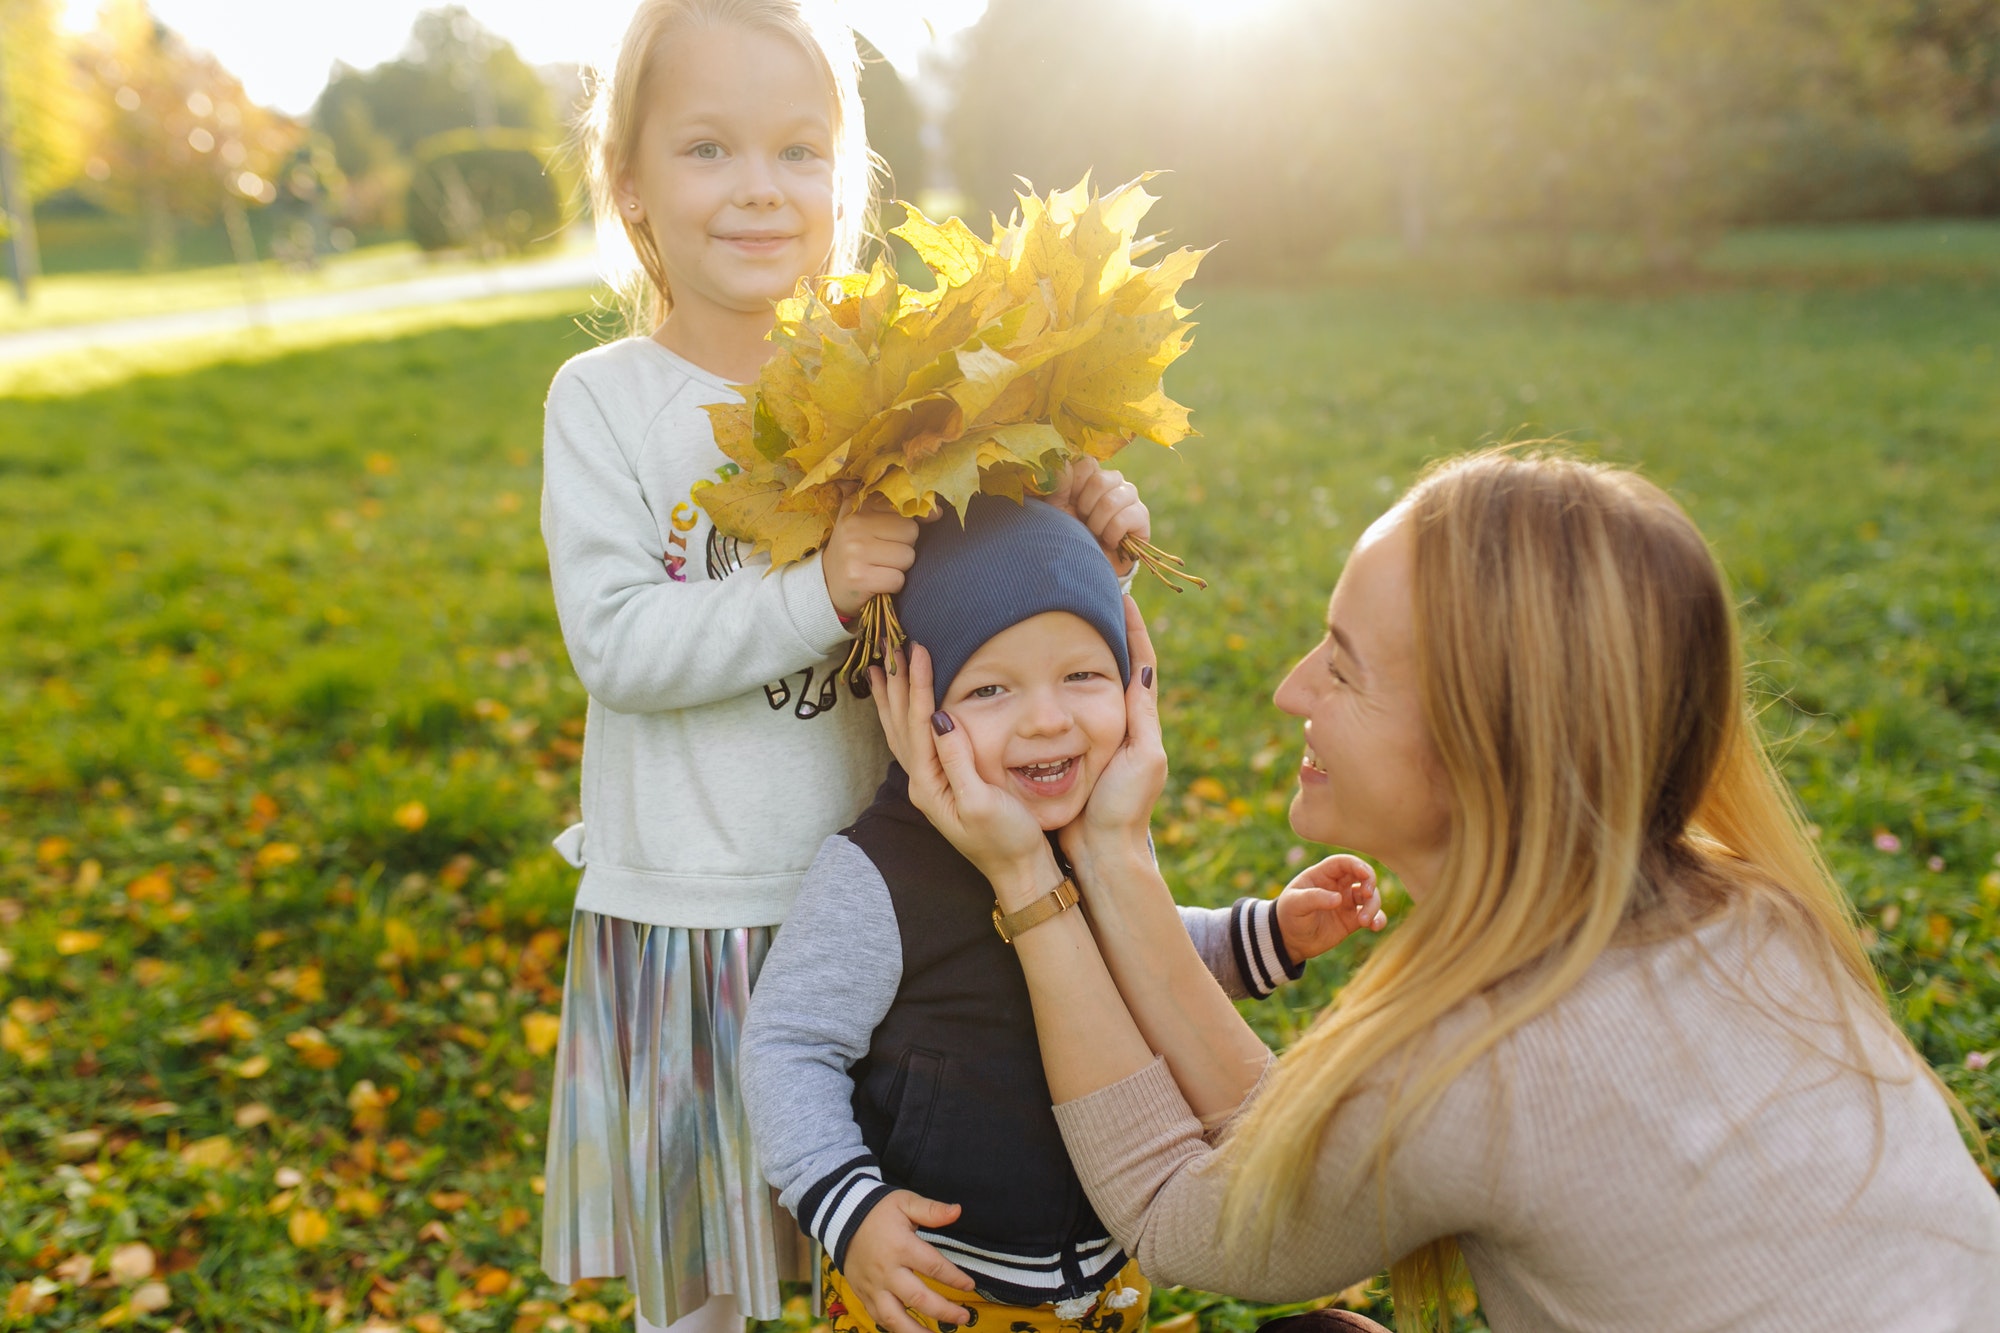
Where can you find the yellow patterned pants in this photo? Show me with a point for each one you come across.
(1119, 1308)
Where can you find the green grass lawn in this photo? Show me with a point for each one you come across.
(288, 723)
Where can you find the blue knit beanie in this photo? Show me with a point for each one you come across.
(1006, 563)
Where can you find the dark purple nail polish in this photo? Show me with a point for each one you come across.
(1146, 677)
(941, 722)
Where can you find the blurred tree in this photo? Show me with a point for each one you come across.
(42, 96)
(454, 74)
(483, 190)
(175, 136)
(1579, 133)
(40, 149)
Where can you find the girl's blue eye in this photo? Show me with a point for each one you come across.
(798, 152)
(985, 692)
(708, 152)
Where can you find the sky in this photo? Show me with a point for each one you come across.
(282, 50)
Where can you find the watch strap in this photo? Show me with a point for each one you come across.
(1051, 904)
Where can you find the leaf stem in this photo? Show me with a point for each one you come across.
(1165, 565)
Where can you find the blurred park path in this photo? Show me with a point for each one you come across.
(572, 268)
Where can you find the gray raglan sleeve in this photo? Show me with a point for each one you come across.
(642, 641)
(826, 984)
(1243, 947)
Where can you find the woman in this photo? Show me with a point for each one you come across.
(1625, 1055)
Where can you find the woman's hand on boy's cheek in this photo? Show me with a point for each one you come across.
(886, 1256)
(1328, 902)
(1107, 504)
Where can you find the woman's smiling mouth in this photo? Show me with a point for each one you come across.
(1052, 777)
(1310, 769)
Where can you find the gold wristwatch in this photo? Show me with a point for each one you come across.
(1052, 904)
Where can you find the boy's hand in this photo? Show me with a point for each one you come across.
(1327, 903)
(886, 1255)
(868, 552)
(1109, 506)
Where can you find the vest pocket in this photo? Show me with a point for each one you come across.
(913, 1096)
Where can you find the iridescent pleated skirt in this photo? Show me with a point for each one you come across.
(651, 1174)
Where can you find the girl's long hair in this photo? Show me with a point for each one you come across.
(1581, 677)
(608, 132)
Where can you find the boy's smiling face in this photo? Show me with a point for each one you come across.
(1042, 704)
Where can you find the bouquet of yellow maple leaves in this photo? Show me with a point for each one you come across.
(1043, 346)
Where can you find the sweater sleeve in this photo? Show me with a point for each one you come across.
(640, 641)
(825, 986)
(1243, 947)
(1159, 1185)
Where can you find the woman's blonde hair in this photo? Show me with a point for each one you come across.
(608, 132)
(1582, 681)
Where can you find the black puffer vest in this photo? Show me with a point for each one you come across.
(951, 1097)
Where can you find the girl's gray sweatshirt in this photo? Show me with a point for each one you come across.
(718, 752)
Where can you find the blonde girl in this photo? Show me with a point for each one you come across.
(719, 750)
(1626, 1057)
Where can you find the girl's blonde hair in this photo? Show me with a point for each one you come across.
(609, 128)
(1581, 678)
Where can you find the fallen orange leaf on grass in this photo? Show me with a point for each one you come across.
(308, 1227)
(72, 942)
(370, 1106)
(152, 887)
(360, 1202)
(210, 1154)
(541, 1031)
(411, 816)
(274, 854)
(227, 1023)
(315, 1051)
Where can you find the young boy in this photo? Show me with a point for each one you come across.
(889, 1062)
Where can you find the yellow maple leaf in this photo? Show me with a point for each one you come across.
(875, 388)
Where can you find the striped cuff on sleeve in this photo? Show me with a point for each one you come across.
(1261, 955)
(831, 1211)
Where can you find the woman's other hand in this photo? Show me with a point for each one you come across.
(887, 1261)
(1119, 813)
(1328, 902)
(987, 824)
(1107, 504)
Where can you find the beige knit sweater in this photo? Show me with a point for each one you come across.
(1656, 1153)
